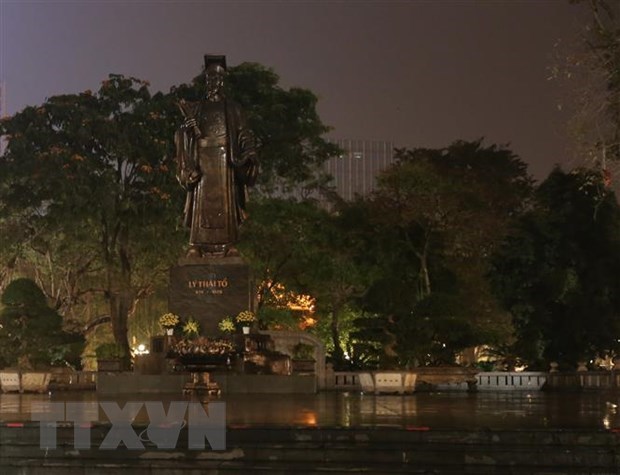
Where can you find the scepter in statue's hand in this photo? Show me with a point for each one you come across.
(190, 121)
(189, 173)
(193, 125)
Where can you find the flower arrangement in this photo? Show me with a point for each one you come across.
(202, 346)
(191, 327)
(169, 320)
(246, 317)
(226, 325)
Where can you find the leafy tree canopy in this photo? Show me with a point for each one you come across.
(557, 272)
(287, 127)
(88, 181)
(432, 224)
(30, 331)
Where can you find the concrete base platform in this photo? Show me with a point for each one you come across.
(229, 383)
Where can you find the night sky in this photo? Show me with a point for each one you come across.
(418, 73)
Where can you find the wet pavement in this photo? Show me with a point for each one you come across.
(439, 410)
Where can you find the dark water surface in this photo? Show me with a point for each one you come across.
(440, 410)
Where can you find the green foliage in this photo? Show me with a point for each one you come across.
(31, 332)
(429, 229)
(88, 194)
(287, 127)
(557, 272)
(110, 351)
(303, 351)
(279, 241)
(305, 249)
(278, 318)
(438, 327)
(24, 294)
(90, 176)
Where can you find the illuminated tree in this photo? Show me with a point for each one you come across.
(87, 181)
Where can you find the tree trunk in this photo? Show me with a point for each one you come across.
(338, 354)
(121, 304)
(425, 281)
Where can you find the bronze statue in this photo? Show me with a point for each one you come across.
(216, 162)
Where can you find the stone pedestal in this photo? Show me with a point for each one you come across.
(209, 289)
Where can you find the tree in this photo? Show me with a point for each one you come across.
(275, 242)
(88, 180)
(301, 247)
(433, 222)
(592, 70)
(287, 127)
(30, 331)
(90, 175)
(557, 271)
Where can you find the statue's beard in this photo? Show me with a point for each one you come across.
(215, 94)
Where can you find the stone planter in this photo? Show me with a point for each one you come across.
(245, 330)
(433, 376)
(109, 365)
(10, 381)
(303, 366)
(387, 382)
(582, 366)
(37, 382)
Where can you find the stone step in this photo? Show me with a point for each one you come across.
(324, 450)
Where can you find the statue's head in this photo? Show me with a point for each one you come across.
(215, 70)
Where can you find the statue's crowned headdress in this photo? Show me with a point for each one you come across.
(215, 60)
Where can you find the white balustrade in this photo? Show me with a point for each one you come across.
(510, 381)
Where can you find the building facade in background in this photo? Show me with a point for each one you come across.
(355, 171)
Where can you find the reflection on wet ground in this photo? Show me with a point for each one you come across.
(454, 410)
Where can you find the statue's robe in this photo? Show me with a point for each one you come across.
(215, 166)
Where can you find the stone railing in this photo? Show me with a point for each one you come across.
(342, 380)
(448, 378)
(510, 381)
(584, 380)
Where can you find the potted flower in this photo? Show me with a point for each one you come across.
(191, 328)
(303, 358)
(245, 320)
(168, 321)
(226, 325)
